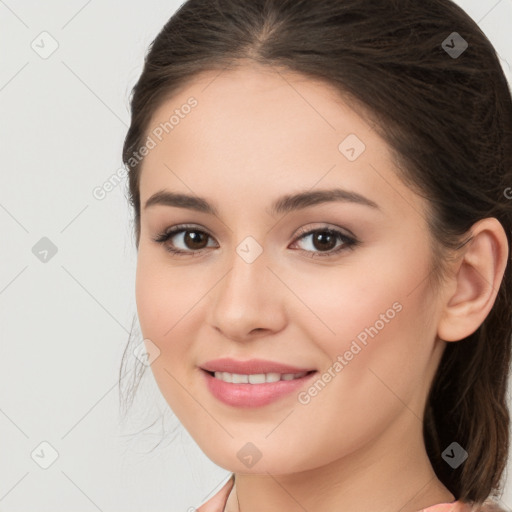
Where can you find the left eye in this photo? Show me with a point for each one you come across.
(322, 240)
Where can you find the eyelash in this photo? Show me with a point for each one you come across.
(348, 241)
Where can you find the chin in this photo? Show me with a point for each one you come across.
(238, 460)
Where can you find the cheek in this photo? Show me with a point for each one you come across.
(166, 306)
(371, 321)
(379, 289)
(165, 296)
(167, 309)
(338, 303)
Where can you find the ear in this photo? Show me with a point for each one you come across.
(477, 277)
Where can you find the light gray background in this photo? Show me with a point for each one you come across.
(64, 323)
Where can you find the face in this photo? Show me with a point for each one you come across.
(334, 286)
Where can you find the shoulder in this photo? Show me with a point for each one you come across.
(491, 506)
(486, 506)
(217, 502)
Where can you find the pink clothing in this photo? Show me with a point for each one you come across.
(456, 506)
(219, 501)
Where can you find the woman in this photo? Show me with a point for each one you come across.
(369, 374)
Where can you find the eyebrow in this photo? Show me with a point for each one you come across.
(284, 204)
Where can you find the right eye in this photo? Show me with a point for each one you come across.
(191, 239)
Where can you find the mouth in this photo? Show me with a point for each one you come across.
(254, 389)
(256, 378)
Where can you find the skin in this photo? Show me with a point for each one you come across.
(257, 134)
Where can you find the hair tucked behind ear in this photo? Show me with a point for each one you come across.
(448, 122)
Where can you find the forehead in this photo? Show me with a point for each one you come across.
(262, 100)
(258, 129)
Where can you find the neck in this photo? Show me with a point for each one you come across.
(385, 475)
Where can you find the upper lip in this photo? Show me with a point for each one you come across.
(251, 366)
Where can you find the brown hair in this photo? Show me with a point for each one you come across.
(447, 119)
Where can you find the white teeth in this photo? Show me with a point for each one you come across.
(256, 378)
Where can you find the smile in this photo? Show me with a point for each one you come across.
(256, 378)
(253, 390)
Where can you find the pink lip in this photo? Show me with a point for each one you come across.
(252, 395)
(251, 366)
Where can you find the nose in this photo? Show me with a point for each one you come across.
(248, 301)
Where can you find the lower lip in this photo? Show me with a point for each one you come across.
(252, 395)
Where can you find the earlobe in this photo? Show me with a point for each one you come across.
(478, 277)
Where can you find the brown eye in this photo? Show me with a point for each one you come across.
(323, 242)
(194, 239)
(184, 240)
(190, 241)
